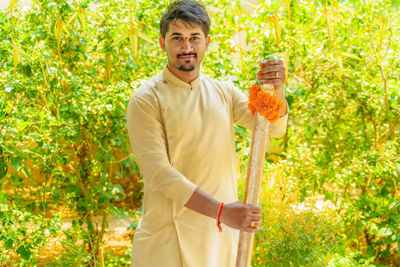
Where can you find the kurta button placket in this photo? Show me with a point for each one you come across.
(173, 164)
(170, 138)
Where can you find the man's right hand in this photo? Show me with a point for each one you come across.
(241, 216)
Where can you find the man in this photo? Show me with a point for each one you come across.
(180, 125)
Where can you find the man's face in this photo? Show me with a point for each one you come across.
(185, 45)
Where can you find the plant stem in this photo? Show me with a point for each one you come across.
(384, 79)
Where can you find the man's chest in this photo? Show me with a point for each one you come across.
(194, 114)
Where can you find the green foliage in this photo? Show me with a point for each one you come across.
(117, 261)
(344, 139)
(64, 88)
(23, 234)
(352, 259)
(295, 239)
(63, 140)
(293, 233)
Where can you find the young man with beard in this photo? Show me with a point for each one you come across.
(181, 128)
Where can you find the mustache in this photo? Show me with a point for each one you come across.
(188, 54)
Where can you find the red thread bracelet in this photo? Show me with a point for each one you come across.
(219, 216)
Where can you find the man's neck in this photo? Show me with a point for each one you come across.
(186, 76)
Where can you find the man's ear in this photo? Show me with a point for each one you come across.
(162, 43)
(208, 41)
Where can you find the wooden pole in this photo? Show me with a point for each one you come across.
(254, 178)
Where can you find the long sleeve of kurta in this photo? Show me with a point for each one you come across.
(147, 137)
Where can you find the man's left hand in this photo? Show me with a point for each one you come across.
(272, 72)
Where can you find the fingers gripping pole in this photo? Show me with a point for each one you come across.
(253, 181)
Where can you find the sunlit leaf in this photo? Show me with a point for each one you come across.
(310, 27)
(243, 9)
(277, 29)
(328, 24)
(122, 37)
(210, 9)
(248, 8)
(284, 3)
(275, 22)
(340, 63)
(21, 51)
(346, 8)
(72, 18)
(395, 16)
(12, 5)
(108, 66)
(44, 73)
(57, 33)
(133, 38)
(56, 29)
(351, 56)
(382, 30)
(59, 27)
(334, 7)
(82, 13)
(64, 27)
(82, 17)
(145, 37)
(15, 55)
(385, 231)
(397, 60)
(94, 14)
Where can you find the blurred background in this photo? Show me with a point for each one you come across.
(71, 190)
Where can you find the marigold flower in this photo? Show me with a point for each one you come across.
(267, 105)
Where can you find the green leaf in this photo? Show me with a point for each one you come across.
(9, 243)
(24, 252)
(117, 189)
(108, 156)
(3, 199)
(395, 218)
(394, 205)
(56, 195)
(15, 163)
(53, 231)
(132, 225)
(384, 232)
(3, 168)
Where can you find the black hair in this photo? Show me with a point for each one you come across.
(188, 11)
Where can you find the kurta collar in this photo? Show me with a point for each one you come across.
(169, 77)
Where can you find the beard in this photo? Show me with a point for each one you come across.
(187, 66)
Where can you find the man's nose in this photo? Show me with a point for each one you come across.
(186, 46)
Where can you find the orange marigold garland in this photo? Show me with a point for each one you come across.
(267, 105)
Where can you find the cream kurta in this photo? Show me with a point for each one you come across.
(183, 136)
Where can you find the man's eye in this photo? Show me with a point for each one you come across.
(195, 38)
(176, 38)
